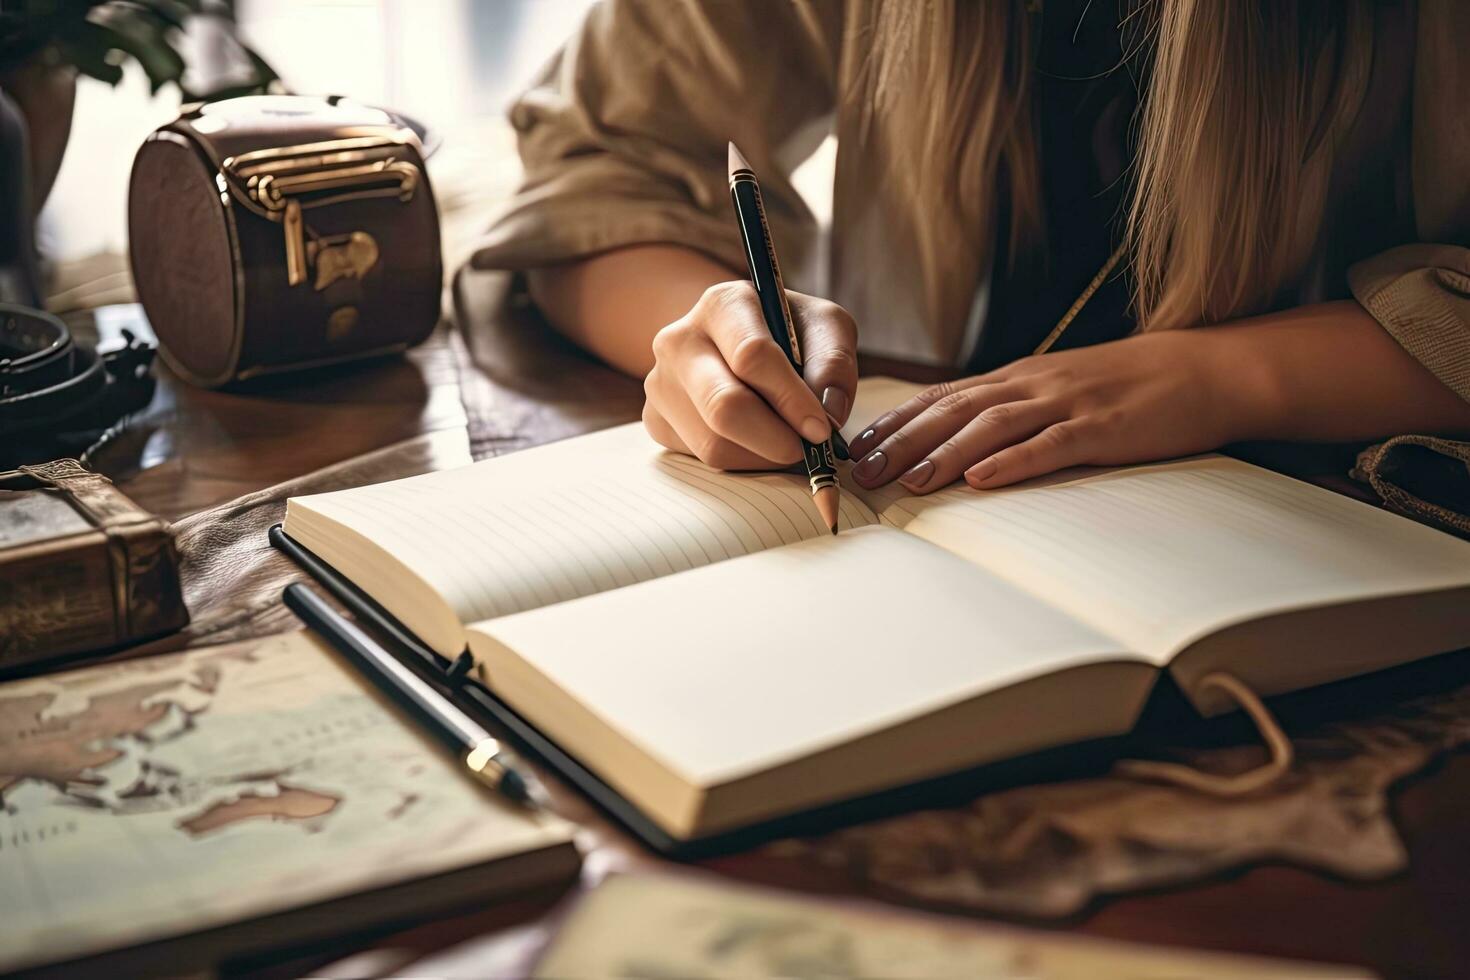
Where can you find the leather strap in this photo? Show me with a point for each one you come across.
(107, 510)
(1212, 784)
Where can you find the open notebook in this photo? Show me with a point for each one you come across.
(703, 644)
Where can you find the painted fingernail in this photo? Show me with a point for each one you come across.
(814, 429)
(919, 476)
(834, 400)
(981, 471)
(870, 468)
(863, 442)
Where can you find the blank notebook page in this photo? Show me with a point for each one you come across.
(1159, 555)
(575, 518)
(725, 671)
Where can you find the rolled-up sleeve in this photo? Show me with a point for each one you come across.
(623, 137)
(1421, 293)
(1421, 296)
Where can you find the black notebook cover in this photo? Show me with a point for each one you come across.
(452, 677)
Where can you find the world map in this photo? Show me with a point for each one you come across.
(166, 795)
(101, 757)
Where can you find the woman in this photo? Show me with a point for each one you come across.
(1262, 208)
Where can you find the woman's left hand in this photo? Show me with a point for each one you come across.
(1152, 396)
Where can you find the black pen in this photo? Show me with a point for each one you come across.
(483, 754)
(765, 273)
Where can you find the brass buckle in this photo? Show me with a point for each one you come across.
(283, 181)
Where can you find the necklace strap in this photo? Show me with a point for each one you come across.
(1081, 301)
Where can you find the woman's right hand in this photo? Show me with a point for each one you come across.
(722, 390)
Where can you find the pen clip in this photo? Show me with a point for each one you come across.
(457, 671)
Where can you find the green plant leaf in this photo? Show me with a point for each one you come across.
(88, 49)
(258, 82)
(96, 35)
(30, 26)
(137, 32)
(263, 71)
(174, 13)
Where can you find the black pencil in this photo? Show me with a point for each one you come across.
(482, 753)
(765, 273)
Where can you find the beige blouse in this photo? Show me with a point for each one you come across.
(623, 139)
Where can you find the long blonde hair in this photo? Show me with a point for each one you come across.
(1242, 105)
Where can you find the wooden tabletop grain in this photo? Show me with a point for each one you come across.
(194, 449)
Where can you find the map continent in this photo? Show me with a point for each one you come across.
(166, 795)
(94, 742)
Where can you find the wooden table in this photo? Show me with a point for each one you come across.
(195, 449)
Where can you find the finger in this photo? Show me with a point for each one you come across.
(671, 417)
(661, 431)
(733, 411)
(676, 408)
(908, 444)
(734, 322)
(1067, 443)
(828, 336)
(713, 450)
(890, 422)
(994, 428)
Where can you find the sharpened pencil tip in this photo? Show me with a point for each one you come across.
(826, 500)
(736, 160)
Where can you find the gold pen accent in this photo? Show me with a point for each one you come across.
(488, 762)
(483, 762)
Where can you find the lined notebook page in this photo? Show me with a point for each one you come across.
(1160, 555)
(719, 691)
(571, 519)
(874, 397)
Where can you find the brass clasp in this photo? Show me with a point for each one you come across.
(282, 182)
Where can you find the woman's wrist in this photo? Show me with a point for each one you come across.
(1321, 373)
(1241, 379)
(614, 303)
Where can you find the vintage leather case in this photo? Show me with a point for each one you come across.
(82, 567)
(277, 232)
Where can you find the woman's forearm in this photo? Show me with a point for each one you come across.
(1322, 373)
(612, 304)
(1327, 373)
